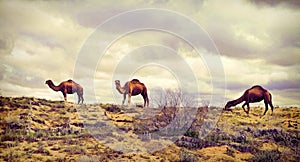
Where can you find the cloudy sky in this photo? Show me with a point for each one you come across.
(244, 43)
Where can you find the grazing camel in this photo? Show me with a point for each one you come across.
(67, 87)
(254, 94)
(133, 88)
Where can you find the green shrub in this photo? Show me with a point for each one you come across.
(86, 158)
(191, 133)
(188, 157)
(230, 151)
(267, 156)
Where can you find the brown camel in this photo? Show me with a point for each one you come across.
(254, 94)
(67, 87)
(133, 88)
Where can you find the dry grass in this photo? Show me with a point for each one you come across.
(34, 129)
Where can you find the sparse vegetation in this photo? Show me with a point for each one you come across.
(191, 133)
(230, 151)
(41, 130)
(267, 156)
(186, 156)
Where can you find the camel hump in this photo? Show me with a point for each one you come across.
(135, 81)
(71, 81)
(257, 86)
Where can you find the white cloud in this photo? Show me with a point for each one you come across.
(258, 42)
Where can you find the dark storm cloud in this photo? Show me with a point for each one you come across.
(290, 3)
(268, 33)
(236, 86)
(24, 79)
(45, 40)
(284, 84)
(285, 59)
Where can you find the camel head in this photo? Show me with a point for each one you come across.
(49, 82)
(117, 82)
(229, 104)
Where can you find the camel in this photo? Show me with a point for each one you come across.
(254, 94)
(67, 87)
(133, 88)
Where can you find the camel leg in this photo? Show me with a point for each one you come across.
(65, 96)
(266, 107)
(78, 96)
(271, 105)
(82, 99)
(244, 107)
(146, 100)
(129, 98)
(248, 108)
(124, 98)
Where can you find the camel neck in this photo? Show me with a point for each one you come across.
(239, 100)
(120, 89)
(52, 86)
